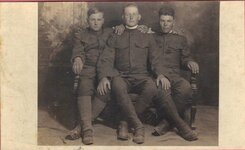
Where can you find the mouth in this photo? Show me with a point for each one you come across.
(165, 28)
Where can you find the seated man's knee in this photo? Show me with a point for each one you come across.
(150, 87)
(118, 85)
(163, 93)
(117, 82)
(184, 89)
(104, 98)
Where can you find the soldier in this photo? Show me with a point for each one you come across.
(129, 53)
(126, 63)
(88, 45)
(175, 55)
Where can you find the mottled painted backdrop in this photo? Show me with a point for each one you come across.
(199, 21)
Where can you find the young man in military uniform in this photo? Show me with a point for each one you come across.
(130, 53)
(175, 54)
(89, 43)
(126, 63)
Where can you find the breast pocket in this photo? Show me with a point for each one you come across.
(173, 48)
(119, 42)
(121, 46)
(140, 51)
(141, 44)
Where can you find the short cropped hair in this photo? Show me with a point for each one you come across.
(167, 10)
(130, 5)
(94, 10)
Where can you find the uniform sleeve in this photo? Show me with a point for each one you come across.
(185, 53)
(105, 66)
(78, 48)
(154, 58)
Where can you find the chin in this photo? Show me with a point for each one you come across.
(96, 29)
(165, 31)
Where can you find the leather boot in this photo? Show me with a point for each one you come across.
(139, 135)
(97, 107)
(122, 132)
(74, 134)
(162, 128)
(186, 132)
(87, 137)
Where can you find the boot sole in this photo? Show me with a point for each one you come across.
(123, 138)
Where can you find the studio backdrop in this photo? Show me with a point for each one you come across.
(198, 21)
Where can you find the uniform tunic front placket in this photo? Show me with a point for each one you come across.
(164, 44)
(130, 52)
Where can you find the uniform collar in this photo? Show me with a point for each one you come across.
(131, 28)
(170, 32)
(158, 30)
(165, 34)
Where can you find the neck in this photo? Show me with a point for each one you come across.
(134, 27)
(95, 32)
(171, 31)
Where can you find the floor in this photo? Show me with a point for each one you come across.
(50, 132)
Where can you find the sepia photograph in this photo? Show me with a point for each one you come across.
(128, 73)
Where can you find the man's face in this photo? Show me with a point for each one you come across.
(131, 16)
(166, 23)
(96, 21)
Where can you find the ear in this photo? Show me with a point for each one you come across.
(123, 17)
(139, 17)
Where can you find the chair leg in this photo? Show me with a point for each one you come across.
(193, 110)
(189, 117)
(192, 117)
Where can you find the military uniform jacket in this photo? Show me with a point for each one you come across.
(132, 53)
(175, 52)
(88, 46)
